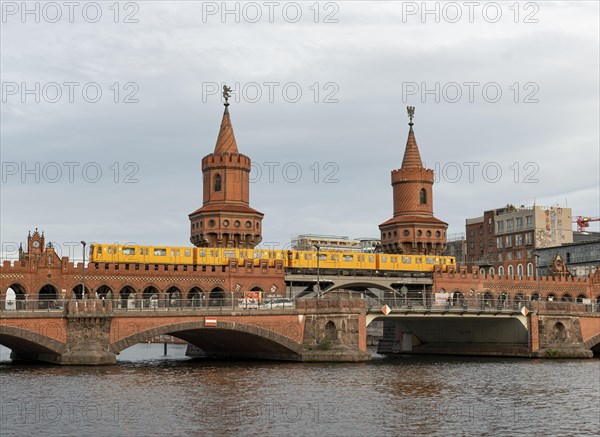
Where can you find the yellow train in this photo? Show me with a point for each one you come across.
(292, 259)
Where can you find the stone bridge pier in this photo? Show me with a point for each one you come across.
(93, 332)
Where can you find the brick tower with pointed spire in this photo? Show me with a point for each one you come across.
(225, 218)
(413, 229)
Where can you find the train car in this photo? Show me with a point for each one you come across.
(116, 253)
(328, 260)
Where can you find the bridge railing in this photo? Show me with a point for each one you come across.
(476, 305)
(150, 304)
(373, 305)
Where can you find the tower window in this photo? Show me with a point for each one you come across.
(423, 196)
(218, 182)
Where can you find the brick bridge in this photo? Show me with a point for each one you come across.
(92, 332)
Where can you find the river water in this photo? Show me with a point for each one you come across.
(149, 394)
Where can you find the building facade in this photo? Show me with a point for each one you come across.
(226, 218)
(325, 243)
(580, 259)
(413, 229)
(504, 240)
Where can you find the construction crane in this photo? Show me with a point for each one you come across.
(584, 222)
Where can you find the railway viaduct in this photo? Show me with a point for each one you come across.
(49, 320)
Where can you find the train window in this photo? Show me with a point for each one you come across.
(257, 254)
(203, 253)
(418, 260)
(371, 258)
(172, 252)
(383, 259)
(128, 251)
(187, 252)
(177, 252)
(406, 259)
(332, 258)
(347, 258)
(430, 260)
(322, 257)
(160, 252)
(229, 254)
(99, 250)
(147, 251)
(394, 259)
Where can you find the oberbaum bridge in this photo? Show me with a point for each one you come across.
(44, 316)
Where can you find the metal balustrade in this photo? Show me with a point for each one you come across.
(118, 305)
(471, 305)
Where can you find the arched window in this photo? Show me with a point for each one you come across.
(492, 271)
(530, 269)
(218, 182)
(511, 271)
(423, 196)
(520, 270)
(501, 270)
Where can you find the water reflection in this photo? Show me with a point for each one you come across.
(147, 393)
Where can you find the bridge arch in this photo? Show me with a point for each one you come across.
(350, 285)
(173, 296)
(216, 296)
(192, 288)
(76, 291)
(581, 297)
(232, 339)
(48, 295)
(593, 344)
(20, 294)
(566, 297)
(194, 296)
(103, 292)
(488, 299)
(30, 345)
(127, 295)
(150, 296)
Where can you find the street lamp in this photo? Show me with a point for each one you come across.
(537, 274)
(83, 243)
(318, 270)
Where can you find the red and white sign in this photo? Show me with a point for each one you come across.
(210, 321)
(386, 310)
(524, 311)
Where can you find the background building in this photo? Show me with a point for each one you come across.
(580, 259)
(457, 247)
(504, 240)
(325, 242)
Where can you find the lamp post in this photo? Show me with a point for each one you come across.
(537, 275)
(83, 243)
(318, 270)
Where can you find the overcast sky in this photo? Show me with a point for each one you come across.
(506, 97)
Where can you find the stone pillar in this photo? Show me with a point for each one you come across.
(534, 335)
(88, 341)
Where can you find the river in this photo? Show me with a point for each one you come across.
(149, 394)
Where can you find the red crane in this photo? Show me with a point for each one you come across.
(584, 222)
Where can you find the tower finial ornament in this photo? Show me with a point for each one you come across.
(411, 114)
(226, 94)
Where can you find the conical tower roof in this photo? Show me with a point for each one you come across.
(226, 139)
(412, 157)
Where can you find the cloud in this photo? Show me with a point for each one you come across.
(365, 66)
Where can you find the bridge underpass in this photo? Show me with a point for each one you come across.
(454, 332)
(304, 285)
